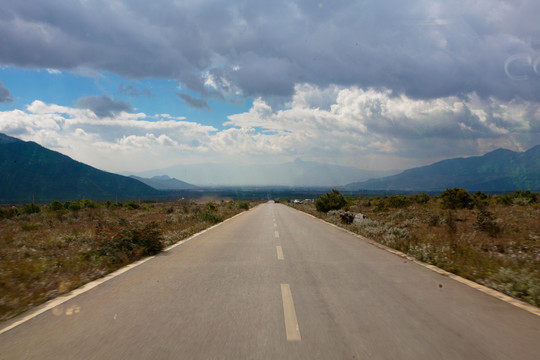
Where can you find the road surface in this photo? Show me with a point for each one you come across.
(274, 283)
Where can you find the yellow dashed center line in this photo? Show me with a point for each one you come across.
(279, 252)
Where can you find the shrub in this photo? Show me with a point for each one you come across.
(380, 206)
(124, 242)
(485, 222)
(398, 201)
(132, 205)
(456, 198)
(420, 198)
(88, 204)
(56, 206)
(8, 213)
(519, 197)
(31, 208)
(210, 216)
(72, 205)
(149, 238)
(480, 200)
(243, 205)
(333, 200)
(346, 217)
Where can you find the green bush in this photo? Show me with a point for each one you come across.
(124, 242)
(72, 205)
(56, 206)
(420, 198)
(243, 205)
(210, 206)
(31, 209)
(480, 200)
(519, 197)
(88, 204)
(132, 205)
(456, 198)
(398, 201)
(8, 213)
(210, 216)
(333, 200)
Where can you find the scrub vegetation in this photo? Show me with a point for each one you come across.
(48, 250)
(492, 240)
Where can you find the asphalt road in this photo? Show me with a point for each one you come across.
(274, 283)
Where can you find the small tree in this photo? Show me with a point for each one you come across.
(333, 200)
(457, 198)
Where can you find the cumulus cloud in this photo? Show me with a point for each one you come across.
(424, 49)
(103, 106)
(5, 95)
(119, 143)
(377, 124)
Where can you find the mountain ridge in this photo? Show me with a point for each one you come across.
(498, 170)
(164, 182)
(31, 172)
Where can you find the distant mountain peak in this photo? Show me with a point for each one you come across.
(162, 177)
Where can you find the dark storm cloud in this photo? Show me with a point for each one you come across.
(425, 49)
(103, 106)
(194, 102)
(5, 95)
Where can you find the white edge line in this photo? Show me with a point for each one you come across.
(51, 304)
(486, 290)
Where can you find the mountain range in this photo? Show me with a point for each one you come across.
(30, 172)
(296, 173)
(499, 170)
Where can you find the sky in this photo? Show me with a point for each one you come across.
(132, 86)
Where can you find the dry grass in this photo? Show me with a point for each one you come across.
(493, 244)
(45, 254)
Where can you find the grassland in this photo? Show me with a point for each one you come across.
(494, 242)
(48, 250)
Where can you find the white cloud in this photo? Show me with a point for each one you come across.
(367, 128)
(359, 123)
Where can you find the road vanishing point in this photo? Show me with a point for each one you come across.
(275, 283)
